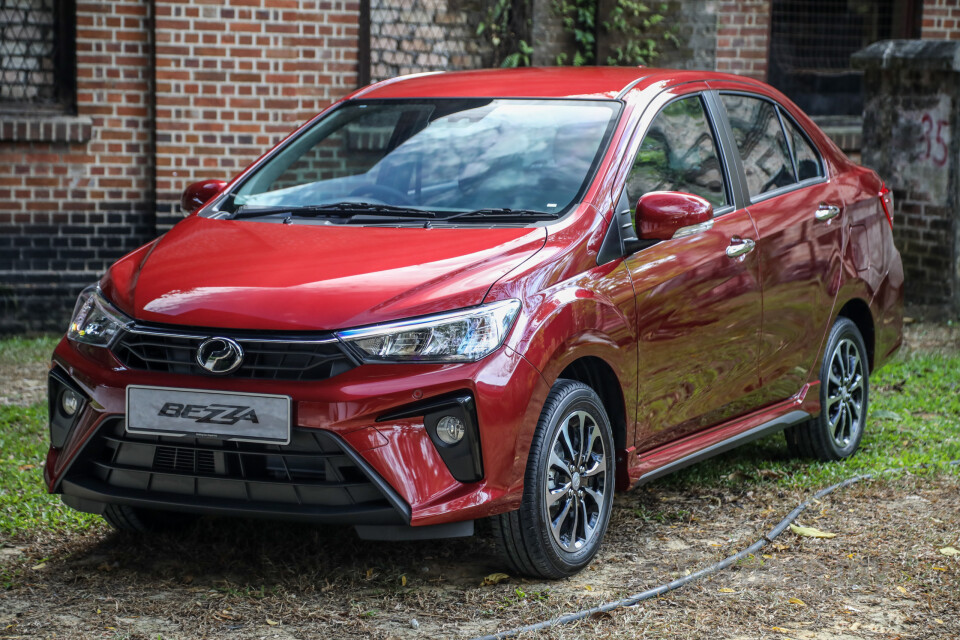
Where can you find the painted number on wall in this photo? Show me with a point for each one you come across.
(936, 134)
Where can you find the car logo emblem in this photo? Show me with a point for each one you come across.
(219, 355)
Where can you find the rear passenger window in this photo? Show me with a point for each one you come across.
(808, 162)
(679, 153)
(767, 164)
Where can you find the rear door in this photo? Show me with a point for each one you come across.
(698, 306)
(798, 212)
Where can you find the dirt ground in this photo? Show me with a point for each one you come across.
(882, 576)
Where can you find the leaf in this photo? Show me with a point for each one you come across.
(797, 601)
(726, 590)
(902, 590)
(588, 587)
(272, 623)
(810, 532)
(403, 581)
(369, 573)
(886, 415)
(949, 551)
(494, 578)
(25, 467)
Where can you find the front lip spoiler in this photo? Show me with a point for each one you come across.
(90, 495)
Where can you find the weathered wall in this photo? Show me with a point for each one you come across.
(912, 111)
(694, 22)
(426, 35)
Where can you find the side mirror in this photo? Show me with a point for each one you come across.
(661, 214)
(199, 193)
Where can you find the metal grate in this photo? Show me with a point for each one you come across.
(811, 42)
(286, 359)
(36, 52)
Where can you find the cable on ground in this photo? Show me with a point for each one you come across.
(635, 599)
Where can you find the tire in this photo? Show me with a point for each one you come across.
(139, 520)
(545, 539)
(844, 397)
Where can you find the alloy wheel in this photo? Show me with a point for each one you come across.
(575, 490)
(845, 393)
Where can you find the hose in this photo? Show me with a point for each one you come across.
(769, 537)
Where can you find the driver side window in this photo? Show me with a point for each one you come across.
(679, 153)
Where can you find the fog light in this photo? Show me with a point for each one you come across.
(69, 401)
(450, 429)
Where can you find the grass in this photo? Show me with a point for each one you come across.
(25, 507)
(914, 420)
(20, 349)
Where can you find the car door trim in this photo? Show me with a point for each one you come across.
(767, 428)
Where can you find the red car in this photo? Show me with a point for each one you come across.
(489, 294)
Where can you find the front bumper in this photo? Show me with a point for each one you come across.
(392, 474)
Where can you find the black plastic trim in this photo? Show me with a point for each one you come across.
(93, 490)
(87, 494)
(394, 533)
(55, 417)
(464, 459)
(768, 428)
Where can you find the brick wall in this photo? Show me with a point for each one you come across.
(76, 192)
(743, 31)
(941, 20)
(232, 79)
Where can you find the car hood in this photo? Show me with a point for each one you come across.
(267, 276)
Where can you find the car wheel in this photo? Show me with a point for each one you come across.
(138, 520)
(844, 393)
(568, 488)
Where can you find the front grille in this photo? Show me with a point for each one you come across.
(264, 359)
(314, 474)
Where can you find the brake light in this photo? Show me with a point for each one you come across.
(886, 200)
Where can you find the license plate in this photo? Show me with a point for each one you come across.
(227, 415)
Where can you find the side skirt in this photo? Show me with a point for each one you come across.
(673, 456)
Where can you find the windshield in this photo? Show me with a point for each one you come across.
(445, 156)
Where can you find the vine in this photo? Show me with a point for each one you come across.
(630, 27)
(503, 24)
(630, 31)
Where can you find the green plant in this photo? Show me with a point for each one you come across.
(630, 29)
(504, 25)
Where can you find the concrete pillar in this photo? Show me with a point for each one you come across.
(910, 137)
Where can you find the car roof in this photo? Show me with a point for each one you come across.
(534, 82)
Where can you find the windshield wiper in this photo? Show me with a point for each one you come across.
(504, 214)
(336, 209)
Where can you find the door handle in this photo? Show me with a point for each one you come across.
(740, 248)
(827, 212)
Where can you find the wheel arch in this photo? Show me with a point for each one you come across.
(858, 311)
(597, 374)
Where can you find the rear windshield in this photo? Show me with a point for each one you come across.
(446, 156)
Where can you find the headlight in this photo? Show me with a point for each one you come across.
(95, 321)
(458, 336)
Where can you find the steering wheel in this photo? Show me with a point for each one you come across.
(383, 193)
